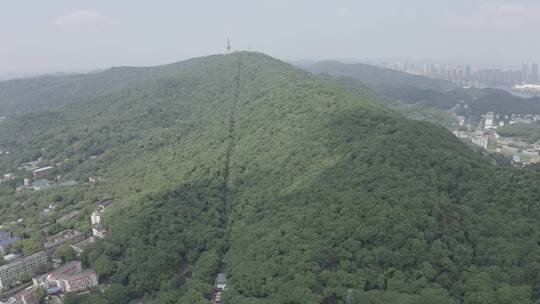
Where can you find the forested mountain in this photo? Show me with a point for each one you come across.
(300, 190)
(412, 110)
(44, 92)
(379, 78)
(414, 89)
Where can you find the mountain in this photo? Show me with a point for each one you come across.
(500, 101)
(379, 78)
(434, 112)
(300, 190)
(424, 91)
(44, 92)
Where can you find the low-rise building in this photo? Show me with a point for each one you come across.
(98, 231)
(42, 184)
(30, 166)
(67, 269)
(49, 280)
(25, 296)
(78, 282)
(69, 277)
(220, 285)
(9, 176)
(30, 265)
(94, 179)
(42, 172)
(69, 216)
(480, 140)
(67, 236)
(81, 246)
(221, 281)
(68, 183)
(460, 134)
(96, 218)
(489, 121)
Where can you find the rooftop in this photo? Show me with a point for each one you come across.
(43, 169)
(83, 245)
(69, 183)
(41, 183)
(60, 237)
(85, 273)
(221, 278)
(67, 268)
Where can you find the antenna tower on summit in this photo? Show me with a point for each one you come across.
(228, 45)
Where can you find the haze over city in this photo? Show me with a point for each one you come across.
(65, 36)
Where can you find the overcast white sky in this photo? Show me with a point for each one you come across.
(68, 35)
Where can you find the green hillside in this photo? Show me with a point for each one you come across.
(301, 191)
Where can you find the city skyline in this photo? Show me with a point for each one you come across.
(468, 75)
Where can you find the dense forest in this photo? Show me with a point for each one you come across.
(301, 190)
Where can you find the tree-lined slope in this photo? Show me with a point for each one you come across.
(310, 193)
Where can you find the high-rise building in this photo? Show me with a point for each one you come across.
(524, 73)
(535, 78)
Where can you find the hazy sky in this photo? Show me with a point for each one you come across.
(67, 35)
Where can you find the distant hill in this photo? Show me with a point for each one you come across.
(380, 78)
(44, 92)
(419, 109)
(426, 91)
(527, 132)
(300, 190)
(500, 101)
